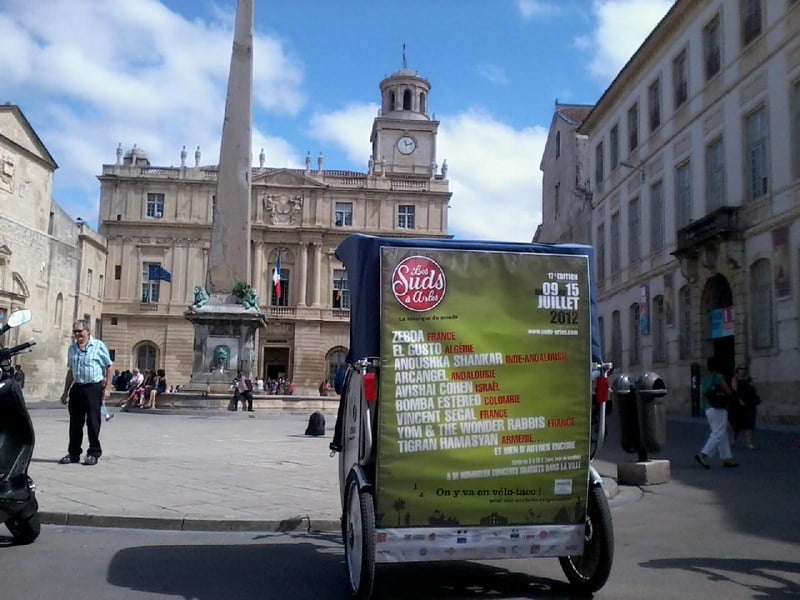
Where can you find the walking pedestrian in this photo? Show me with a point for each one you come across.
(746, 399)
(715, 392)
(86, 387)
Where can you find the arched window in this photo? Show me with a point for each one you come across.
(558, 144)
(407, 100)
(633, 313)
(761, 303)
(391, 102)
(146, 355)
(335, 359)
(58, 316)
(423, 103)
(659, 342)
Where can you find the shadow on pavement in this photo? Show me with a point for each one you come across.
(465, 580)
(308, 566)
(220, 572)
(763, 578)
(755, 496)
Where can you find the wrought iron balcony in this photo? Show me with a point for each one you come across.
(721, 224)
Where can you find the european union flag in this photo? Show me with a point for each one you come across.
(156, 272)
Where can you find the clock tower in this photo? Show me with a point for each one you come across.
(403, 135)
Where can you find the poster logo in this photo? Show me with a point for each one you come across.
(418, 283)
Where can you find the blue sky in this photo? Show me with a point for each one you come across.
(89, 74)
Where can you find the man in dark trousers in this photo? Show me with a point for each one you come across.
(244, 390)
(87, 386)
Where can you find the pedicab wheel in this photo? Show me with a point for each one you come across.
(24, 531)
(359, 540)
(589, 572)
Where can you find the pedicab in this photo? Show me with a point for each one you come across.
(471, 405)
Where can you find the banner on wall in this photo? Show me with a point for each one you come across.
(484, 387)
(644, 309)
(780, 263)
(722, 320)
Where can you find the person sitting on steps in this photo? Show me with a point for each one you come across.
(136, 382)
(160, 387)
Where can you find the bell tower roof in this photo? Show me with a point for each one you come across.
(404, 94)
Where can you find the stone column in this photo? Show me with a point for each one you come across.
(177, 254)
(317, 272)
(302, 252)
(137, 289)
(229, 255)
(258, 267)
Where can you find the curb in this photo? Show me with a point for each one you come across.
(299, 523)
(610, 487)
(295, 524)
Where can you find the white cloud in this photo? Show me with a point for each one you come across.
(531, 9)
(493, 169)
(622, 26)
(348, 129)
(494, 176)
(91, 74)
(493, 74)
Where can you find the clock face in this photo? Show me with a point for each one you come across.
(406, 145)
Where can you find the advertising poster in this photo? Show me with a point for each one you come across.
(780, 263)
(644, 309)
(484, 389)
(722, 322)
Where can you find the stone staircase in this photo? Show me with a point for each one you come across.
(219, 401)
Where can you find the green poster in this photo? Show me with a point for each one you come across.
(484, 390)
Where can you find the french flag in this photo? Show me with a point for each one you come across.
(276, 277)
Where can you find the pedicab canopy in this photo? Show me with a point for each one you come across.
(484, 385)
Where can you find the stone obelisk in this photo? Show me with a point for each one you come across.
(229, 254)
(225, 323)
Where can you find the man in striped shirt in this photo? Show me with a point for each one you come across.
(87, 386)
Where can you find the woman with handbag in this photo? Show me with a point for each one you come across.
(716, 394)
(746, 399)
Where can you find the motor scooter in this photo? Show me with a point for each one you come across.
(19, 509)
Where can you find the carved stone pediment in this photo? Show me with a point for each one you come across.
(283, 209)
(285, 178)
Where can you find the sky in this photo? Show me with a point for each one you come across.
(90, 74)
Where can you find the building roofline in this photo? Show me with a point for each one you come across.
(17, 111)
(638, 59)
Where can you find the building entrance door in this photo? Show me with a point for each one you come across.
(276, 362)
(718, 325)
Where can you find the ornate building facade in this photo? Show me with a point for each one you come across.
(693, 158)
(49, 263)
(161, 217)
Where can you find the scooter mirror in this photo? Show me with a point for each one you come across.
(19, 317)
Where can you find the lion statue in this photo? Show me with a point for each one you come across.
(251, 300)
(200, 297)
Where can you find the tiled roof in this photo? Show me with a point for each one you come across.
(574, 113)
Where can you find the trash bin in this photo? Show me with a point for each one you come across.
(650, 392)
(625, 401)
